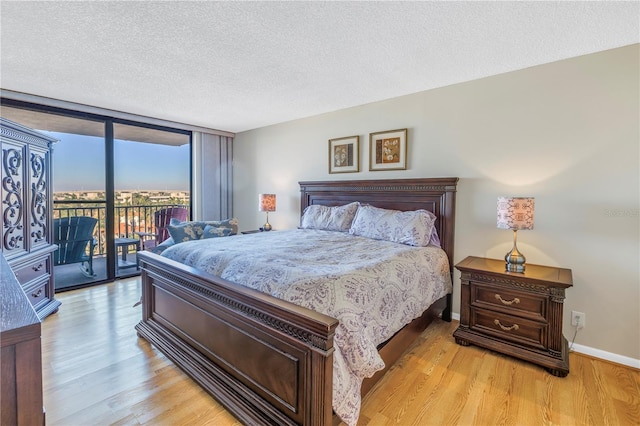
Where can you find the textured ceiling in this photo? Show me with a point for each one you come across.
(240, 65)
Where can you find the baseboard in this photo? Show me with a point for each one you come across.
(607, 356)
(596, 353)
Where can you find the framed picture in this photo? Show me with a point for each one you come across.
(388, 150)
(344, 155)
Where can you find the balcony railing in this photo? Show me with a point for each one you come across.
(128, 219)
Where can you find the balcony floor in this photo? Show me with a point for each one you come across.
(70, 276)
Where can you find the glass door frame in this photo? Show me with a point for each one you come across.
(111, 258)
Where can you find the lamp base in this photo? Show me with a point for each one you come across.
(267, 225)
(514, 263)
(514, 259)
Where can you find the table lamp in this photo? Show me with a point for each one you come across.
(267, 203)
(515, 213)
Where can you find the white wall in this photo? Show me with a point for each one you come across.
(566, 133)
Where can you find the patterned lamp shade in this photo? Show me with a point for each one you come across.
(515, 213)
(267, 203)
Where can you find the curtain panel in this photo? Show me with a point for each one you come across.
(212, 176)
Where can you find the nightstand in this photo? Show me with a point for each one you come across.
(517, 314)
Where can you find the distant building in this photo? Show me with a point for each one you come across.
(125, 197)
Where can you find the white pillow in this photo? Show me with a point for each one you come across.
(434, 239)
(413, 228)
(336, 218)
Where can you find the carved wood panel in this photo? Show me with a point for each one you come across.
(38, 191)
(13, 203)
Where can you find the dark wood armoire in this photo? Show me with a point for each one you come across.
(27, 204)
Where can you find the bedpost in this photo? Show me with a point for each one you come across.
(446, 314)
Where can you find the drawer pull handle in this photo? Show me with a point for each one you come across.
(38, 293)
(39, 267)
(513, 327)
(508, 302)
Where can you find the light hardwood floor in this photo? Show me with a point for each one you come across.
(98, 372)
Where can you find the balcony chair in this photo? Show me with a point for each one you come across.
(162, 219)
(74, 237)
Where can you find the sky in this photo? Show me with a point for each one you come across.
(79, 165)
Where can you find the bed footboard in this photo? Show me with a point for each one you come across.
(266, 360)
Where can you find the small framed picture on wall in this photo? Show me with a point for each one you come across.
(344, 155)
(388, 150)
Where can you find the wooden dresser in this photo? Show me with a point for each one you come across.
(20, 355)
(27, 206)
(518, 314)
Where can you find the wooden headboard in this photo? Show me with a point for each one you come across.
(437, 195)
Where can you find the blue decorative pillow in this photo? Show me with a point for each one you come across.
(231, 224)
(216, 231)
(186, 231)
(195, 230)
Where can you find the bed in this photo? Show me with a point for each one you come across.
(269, 361)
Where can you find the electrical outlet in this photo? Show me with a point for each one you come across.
(578, 319)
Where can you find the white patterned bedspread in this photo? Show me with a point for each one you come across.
(372, 287)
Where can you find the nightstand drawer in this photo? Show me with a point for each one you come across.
(508, 327)
(33, 270)
(508, 301)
